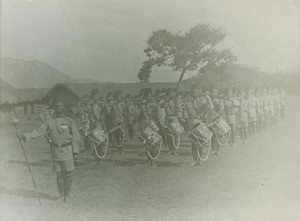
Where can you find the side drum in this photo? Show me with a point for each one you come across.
(201, 133)
(220, 126)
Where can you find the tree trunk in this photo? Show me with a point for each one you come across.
(180, 78)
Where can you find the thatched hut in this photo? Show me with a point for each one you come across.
(9, 97)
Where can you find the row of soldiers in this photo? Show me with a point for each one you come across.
(246, 111)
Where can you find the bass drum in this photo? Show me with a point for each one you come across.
(201, 136)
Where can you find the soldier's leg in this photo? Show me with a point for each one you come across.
(131, 132)
(232, 134)
(194, 154)
(60, 184)
(169, 140)
(67, 184)
(282, 112)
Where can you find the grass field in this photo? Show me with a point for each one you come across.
(258, 180)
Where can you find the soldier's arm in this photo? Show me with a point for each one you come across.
(42, 130)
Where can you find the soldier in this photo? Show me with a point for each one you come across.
(130, 118)
(161, 116)
(169, 107)
(217, 110)
(96, 118)
(266, 106)
(230, 113)
(243, 116)
(148, 113)
(47, 113)
(271, 98)
(283, 100)
(252, 112)
(114, 121)
(260, 111)
(64, 144)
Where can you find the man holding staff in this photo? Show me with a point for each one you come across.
(64, 144)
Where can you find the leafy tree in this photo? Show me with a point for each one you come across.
(191, 51)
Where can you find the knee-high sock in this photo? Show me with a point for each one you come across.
(60, 183)
(67, 183)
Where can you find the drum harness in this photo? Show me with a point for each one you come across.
(115, 128)
(198, 144)
(218, 135)
(95, 141)
(171, 133)
(150, 146)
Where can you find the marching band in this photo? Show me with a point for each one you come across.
(210, 120)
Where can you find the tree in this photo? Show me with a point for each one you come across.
(191, 51)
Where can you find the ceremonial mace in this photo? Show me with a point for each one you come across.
(15, 124)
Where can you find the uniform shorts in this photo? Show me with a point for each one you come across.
(63, 166)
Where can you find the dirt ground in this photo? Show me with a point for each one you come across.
(258, 180)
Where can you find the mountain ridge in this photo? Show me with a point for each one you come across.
(24, 74)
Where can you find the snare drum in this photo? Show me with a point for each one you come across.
(175, 127)
(201, 133)
(220, 126)
(150, 136)
(98, 135)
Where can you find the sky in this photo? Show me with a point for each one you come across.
(104, 39)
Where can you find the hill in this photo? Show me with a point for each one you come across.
(33, 74)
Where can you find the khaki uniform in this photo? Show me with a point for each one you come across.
(64, 137)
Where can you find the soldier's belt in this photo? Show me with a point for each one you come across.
(64, 145)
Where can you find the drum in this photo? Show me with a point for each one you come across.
(201, 133)
(150, 136)
(98, 135)
(175, 127)
(153, 126)
(220, 126)
(85, 129)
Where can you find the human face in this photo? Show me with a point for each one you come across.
(59, 107)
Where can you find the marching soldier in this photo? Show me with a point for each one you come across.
(230, 112)
(114, 122)
(243, 117)
(64, 144)
(252, 112)
(130, 119)
(170, 109)
(283, 100)
(260, 111)
(217, 110)
(96, 118)
(147, 113)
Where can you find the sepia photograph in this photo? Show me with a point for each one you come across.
(150, 110)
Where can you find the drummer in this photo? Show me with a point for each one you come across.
(230, 113)
(169, 107)
(147, 112)
(96, 116)
(252, 112)
(243, 116)
(129, 116)
(217, 110)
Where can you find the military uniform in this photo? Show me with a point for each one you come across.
(64, 144)
(65, 139)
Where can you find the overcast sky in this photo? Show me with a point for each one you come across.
(104, 39)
